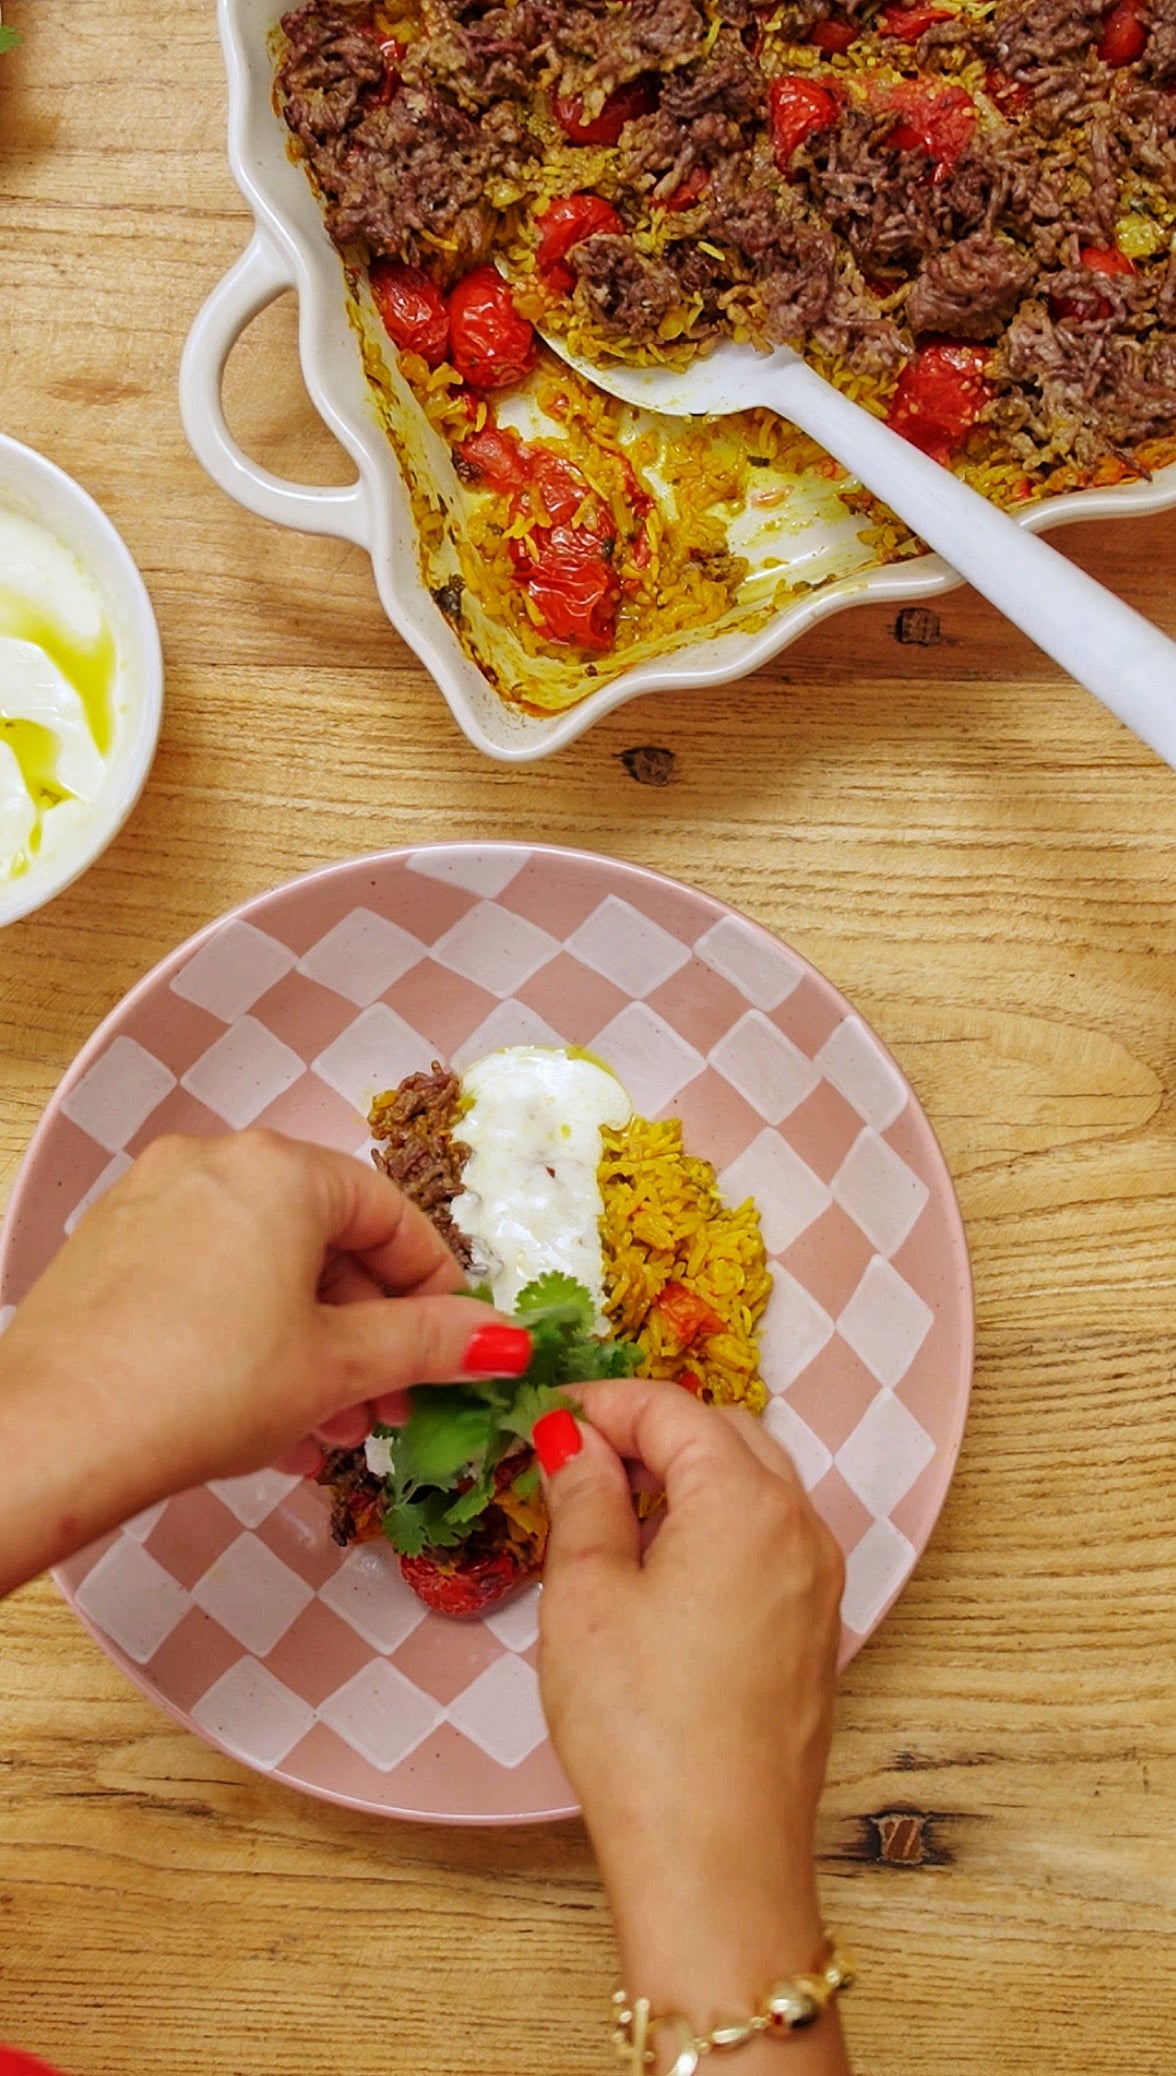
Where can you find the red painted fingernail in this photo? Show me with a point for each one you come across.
(497, 1351)
(556, 1438)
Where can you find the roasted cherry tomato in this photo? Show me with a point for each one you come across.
(836, 35)
(460, 1584)
(568, 573)
(1124, 34)
(907, 24)
(1100, 259)
(689, 1381)
(688, 1314)
(495, 459)
(634, 99)
(799, 107)
(1007, 93)
(490, 345)
(688, 191)
(938, 121)
(941, 393)
(568, 220)
(412, 308)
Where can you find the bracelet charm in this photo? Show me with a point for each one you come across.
(787, 2007)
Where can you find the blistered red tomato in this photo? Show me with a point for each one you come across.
(564, 223)
(412, 308)
(1099, 259)
(464, 1585)
(907, 24)
(688, 191)
(490, 345)
(687, 1313)
(568, 573)
(941, 393)
(495, 459)
(799, 108)
(836, 35)
(638, 97)
(1124, 34)
(938, 121)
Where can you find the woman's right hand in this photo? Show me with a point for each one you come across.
(688, 1686)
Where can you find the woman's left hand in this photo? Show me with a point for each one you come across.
(227, 1298)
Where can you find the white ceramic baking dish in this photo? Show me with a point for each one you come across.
(290, 249)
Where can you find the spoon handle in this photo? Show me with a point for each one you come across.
(1113, 651)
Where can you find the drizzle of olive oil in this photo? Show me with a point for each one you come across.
(36, 750)
(90, 667)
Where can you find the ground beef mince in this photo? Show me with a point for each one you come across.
(969, 290)
(1006, 178)
(414, 1126)
(626, 295)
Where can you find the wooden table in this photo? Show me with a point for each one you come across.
(968, 846)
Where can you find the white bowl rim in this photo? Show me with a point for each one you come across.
(24, 470)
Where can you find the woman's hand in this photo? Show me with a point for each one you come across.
(689, 1689)
(227, 1298)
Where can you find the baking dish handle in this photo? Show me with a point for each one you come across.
(260, 276)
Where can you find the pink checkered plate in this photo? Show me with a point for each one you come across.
(229, 1605)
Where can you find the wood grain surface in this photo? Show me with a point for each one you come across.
(968, 846)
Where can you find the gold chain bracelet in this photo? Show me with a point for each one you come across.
(788, 2007)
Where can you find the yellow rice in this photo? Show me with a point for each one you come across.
(664, 1221)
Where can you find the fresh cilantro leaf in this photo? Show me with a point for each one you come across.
(446, 1435)
(483, 1293)
(527, 1483)
(467, 1507)
(413, 1525)
(555, 1291)
(531, 1402)
(9, 38)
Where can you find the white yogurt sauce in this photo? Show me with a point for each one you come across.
(58, 669)
(531, 1202)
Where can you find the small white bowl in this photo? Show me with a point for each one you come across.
(37, 490)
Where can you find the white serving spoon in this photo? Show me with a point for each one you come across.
(1106, 646)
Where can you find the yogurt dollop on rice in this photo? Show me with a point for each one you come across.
(531, 1200)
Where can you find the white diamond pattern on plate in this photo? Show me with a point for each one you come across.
(854, 1062)
(874, 1570)
(511, 1023)
(252, 1499)
(243, 1073)
(252, 1594)
(233, 970)
(362, 956)
(878, 1190)
(789, 1195)
(113, 1172)
(118, 1093)
(375, 1052)
(629, 949)
(764, 973)
(253, 1715)
(495, 948)
(795, 1329)
(369, 1593)
(133, 1599)
(381, 1715)
(649, 1056)
(517, 1624)
(479, 871)
(808, 1452)
(765, 1066)
(502, 1712)
(885, 1453)
(885, 1323)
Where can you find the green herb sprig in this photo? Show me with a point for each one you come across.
(9, 38)
(445, 1457)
